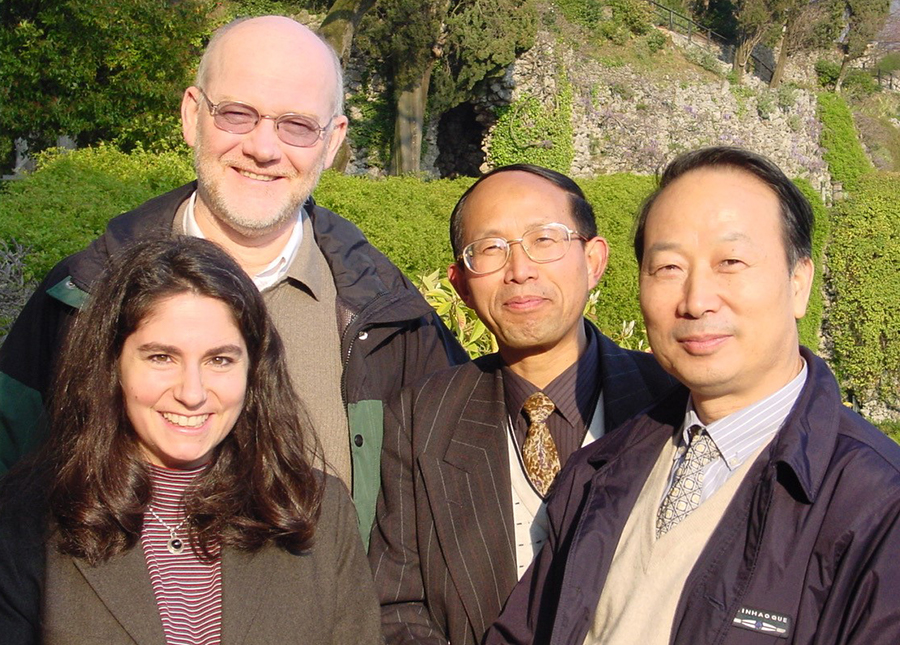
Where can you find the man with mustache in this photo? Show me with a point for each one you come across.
(749, 506)
(264, 118)
(471, 452)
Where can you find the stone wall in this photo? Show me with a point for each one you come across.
(625, 122)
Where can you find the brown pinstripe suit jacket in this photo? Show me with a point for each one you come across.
(442, 551)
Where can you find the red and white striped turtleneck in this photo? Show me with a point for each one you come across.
(188, 592)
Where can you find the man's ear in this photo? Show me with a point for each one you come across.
(596, 254)
(190, 113)
(460, 281)
(338, 132)
(801, 284)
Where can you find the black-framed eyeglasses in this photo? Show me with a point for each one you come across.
(547, 243)
(239, 118)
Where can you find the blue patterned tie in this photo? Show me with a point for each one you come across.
(687, 485)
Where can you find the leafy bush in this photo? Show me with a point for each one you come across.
(827, 72)
(406, 218)
(859, 84)
(656, 41)
(528, 132)
(864, 317)
(66, 203)
(68, 200)
(844, 155)
(786, 96)
(615, 20)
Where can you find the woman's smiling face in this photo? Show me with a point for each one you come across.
(183, 374)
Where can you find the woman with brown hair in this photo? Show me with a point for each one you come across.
(177, 499)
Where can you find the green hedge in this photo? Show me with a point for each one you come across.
(67, 202)
(864, 317)
(846, 159)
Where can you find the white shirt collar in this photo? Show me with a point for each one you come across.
(278, 267)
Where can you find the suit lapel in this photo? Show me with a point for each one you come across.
(123, 585)
(623, 386)
(468, 488)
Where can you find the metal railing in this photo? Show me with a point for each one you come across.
(680, 23)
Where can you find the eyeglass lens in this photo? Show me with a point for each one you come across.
(545, 244)
(293, 129)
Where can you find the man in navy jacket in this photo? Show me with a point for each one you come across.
(751, 506)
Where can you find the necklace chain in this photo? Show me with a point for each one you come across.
(174, 544)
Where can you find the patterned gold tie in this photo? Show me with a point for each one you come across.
(687, 485)
(539, 451)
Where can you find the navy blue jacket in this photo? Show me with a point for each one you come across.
(811, 535)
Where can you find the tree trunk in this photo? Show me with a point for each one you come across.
(406, 151)
(845, 67)
(340, 25)
(781, 62)
(338, 29)
(742, 52)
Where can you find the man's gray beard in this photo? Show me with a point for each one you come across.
(248, 227)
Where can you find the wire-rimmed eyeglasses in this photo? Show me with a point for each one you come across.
(239, 118)
(546, 243)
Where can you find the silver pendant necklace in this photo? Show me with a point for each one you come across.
(174, 544)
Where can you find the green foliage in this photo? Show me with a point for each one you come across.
(844, 155)
(528, 132)
(890, 62)
(371, 127)
(786, 96)
(614, 20)
(811, 324)
(102, 70)
(656, 41)
(827, 72)
(864, 317)
(891, 429)
(864, 19)
(616, 200)
(460, 319)
(705, 59)
(483, 39)
(858, 84)
(765, 104)
(404, 217)
(66, 203)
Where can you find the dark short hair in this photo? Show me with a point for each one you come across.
(260, 486)
(582, 211)
(796, 213)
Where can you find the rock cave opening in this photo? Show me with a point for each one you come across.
(459, 140)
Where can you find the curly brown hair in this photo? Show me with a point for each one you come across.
(262, 484)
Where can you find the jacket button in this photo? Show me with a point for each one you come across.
(363, 335)
(358, 440)
(70, 284)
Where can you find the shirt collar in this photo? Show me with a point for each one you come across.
(572, 392)
(277, 268)
(738, 435)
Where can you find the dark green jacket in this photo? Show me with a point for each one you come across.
(389, 335)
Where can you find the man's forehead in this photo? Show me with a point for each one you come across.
(515, 198)
(271, 46)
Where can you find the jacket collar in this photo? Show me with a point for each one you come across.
(806, 455)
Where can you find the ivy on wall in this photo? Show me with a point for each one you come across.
(864, 318)
(529, 132)
(844, 154)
